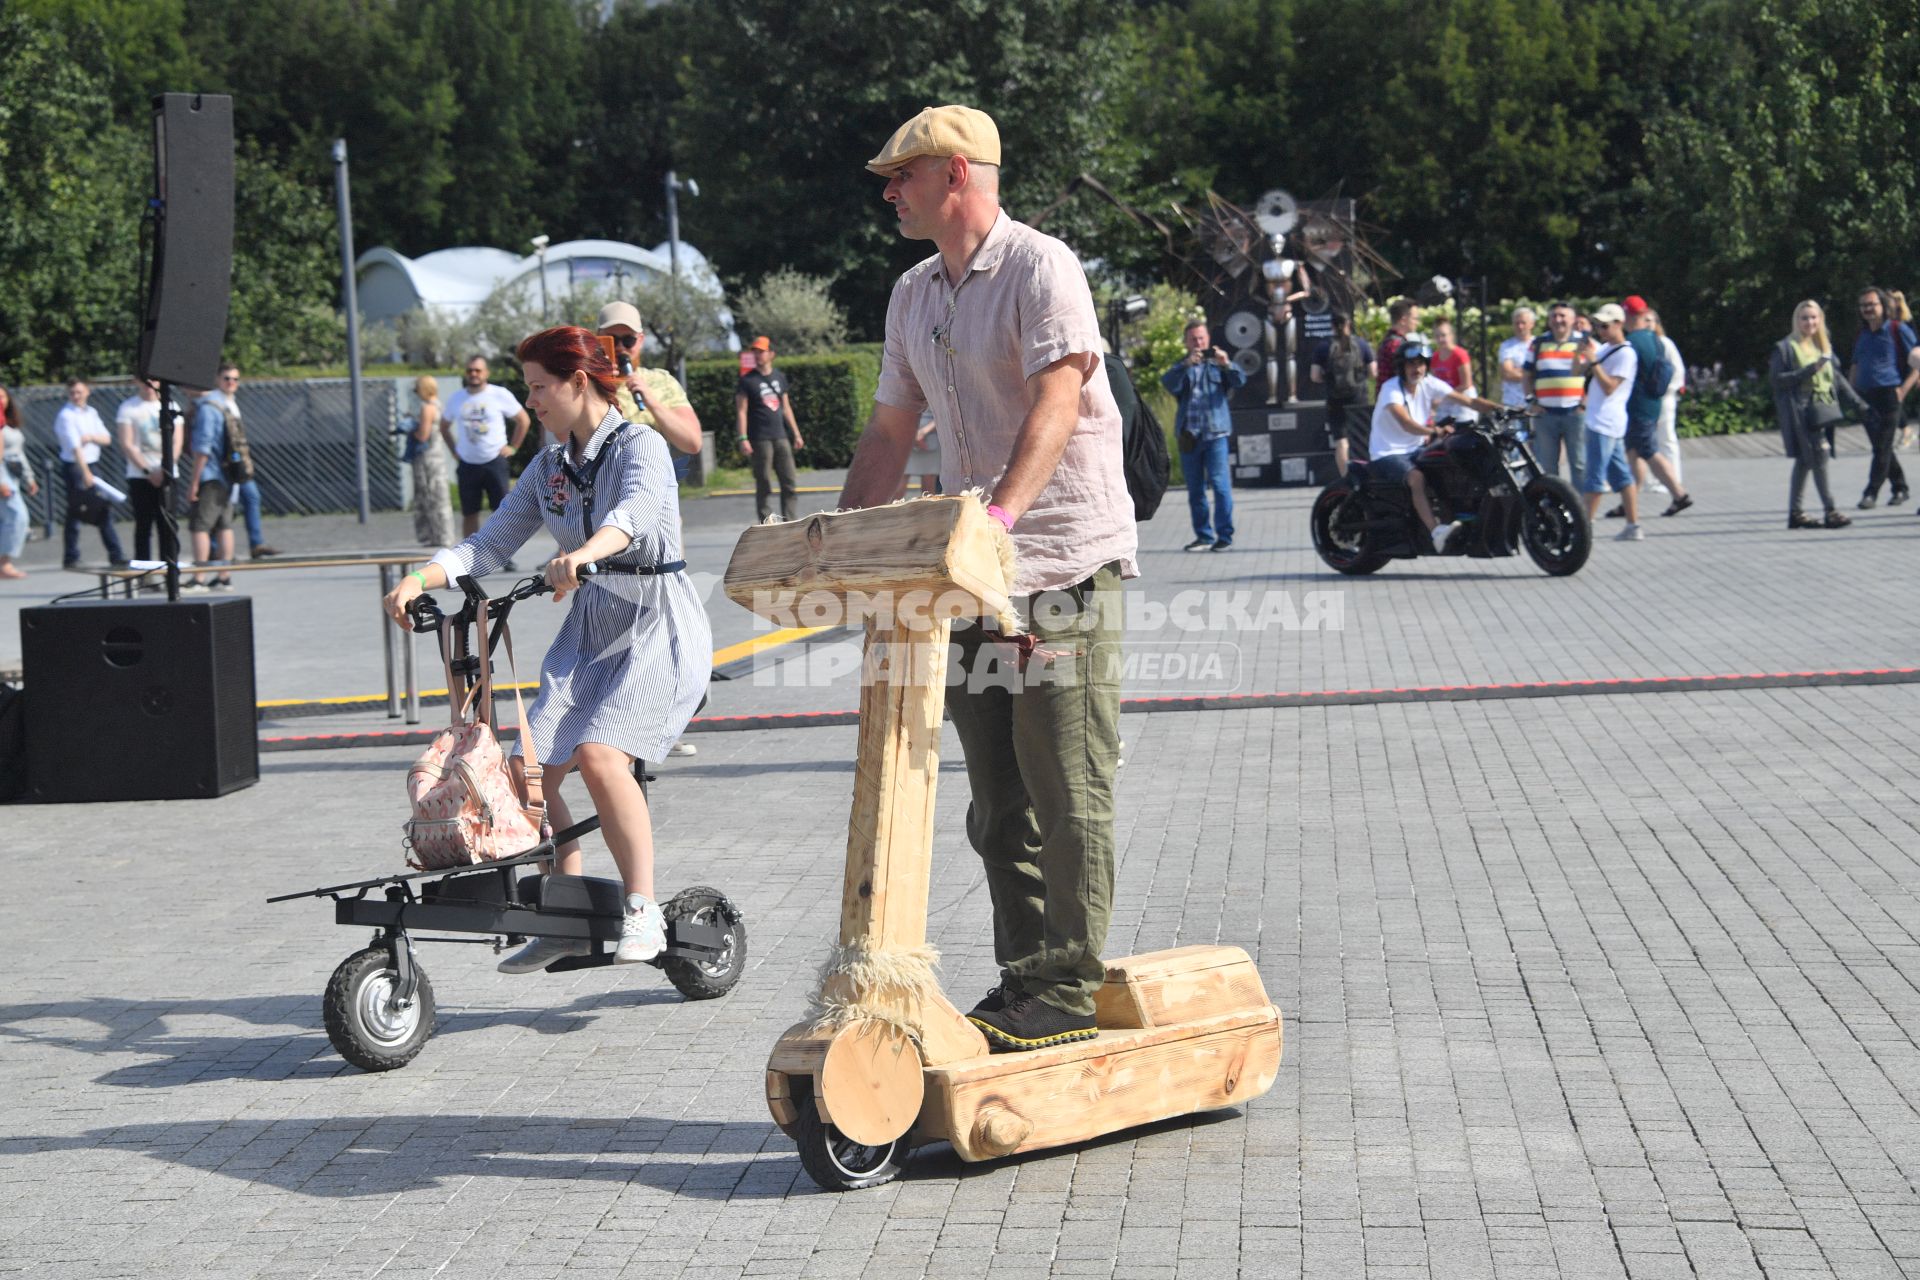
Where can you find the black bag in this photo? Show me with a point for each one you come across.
(1143, 444)
(90, 506)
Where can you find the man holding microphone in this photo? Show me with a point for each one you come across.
(1201, 384)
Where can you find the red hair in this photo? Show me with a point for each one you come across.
(566, 350)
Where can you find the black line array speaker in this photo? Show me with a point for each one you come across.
(138, 700)
(191, 278)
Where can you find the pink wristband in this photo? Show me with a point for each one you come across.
(1000, 514)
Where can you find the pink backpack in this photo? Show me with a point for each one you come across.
(467, 805)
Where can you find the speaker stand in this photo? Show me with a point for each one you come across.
(169, 525)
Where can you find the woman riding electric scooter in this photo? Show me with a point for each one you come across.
(633, 656)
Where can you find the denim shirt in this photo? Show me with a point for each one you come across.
(1202, 391)
(207, 436)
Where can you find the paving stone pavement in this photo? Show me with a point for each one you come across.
(1620, 986)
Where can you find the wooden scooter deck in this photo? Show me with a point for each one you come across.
(1006, 1103)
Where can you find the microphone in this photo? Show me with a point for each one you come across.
(626, 371)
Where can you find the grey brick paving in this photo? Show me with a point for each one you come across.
(1589, 987)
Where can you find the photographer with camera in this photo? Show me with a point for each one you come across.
(1201, 384)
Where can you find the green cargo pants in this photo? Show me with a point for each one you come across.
(1041, 748)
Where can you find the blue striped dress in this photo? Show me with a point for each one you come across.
(633, 656)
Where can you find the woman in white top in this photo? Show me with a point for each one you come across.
(17, 484)
(1667, 437)
(432, 505)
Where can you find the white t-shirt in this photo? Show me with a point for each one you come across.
(1607, 411)
(1514, 351)
(1388, 437)
(71, 426)
(145, 417)
(479, 421)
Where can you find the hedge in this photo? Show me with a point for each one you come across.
(832, 399)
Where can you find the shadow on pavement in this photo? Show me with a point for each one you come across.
(354, 1156)
(196, 1057)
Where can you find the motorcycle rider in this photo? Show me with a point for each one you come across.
(1403, 425)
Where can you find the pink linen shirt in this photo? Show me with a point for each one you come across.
(966, 351)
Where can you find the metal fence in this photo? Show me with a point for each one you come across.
(300, 433)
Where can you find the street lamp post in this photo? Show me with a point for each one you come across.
(540, 247)
(674, 186)
(350, 297)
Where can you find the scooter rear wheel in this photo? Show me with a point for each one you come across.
(707, 979)
(1340, 532)
(838, 1163)
(365, 1023)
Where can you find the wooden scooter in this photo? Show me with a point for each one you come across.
(885, 1062)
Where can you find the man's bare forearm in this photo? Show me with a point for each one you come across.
(879, 461)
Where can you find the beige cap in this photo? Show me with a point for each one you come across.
(1610, 314)
(621, 313)
(941, 131)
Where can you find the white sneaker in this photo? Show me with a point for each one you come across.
(1632, 533)
(683, 749)
(1441, 532)
(541, 952)
(643, 935)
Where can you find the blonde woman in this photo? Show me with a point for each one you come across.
(1808, 392)
(1911, 374)
(432, 508)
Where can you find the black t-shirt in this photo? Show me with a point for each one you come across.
(763, 391)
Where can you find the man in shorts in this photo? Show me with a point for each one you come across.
(1609, 367)
(209, 495)
(475, 425)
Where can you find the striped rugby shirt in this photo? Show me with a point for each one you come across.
(1555, 384)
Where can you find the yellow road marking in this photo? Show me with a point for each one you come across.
(761, 643)
(732, 653)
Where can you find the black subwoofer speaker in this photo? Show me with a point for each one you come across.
(131, 700)
(189, 284)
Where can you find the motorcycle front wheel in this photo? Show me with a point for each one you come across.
(1555, 527)
(1340, 530)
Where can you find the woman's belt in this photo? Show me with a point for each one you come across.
(671, 566)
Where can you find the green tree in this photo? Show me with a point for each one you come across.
(1780, 171)
(69, 223)
(796, 311)
(783, 104)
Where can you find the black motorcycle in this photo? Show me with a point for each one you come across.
(1482, 477)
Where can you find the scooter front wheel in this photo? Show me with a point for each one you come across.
(366, 1023)
(838, 1163)
(1554, 526)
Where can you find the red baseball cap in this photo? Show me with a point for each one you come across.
(1634, 304)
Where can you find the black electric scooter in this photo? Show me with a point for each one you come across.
(1484, 478)
(379, 1007)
